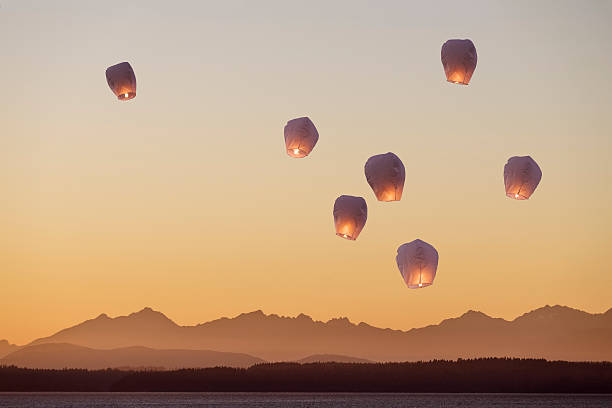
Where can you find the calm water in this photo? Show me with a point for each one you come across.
(295, 400)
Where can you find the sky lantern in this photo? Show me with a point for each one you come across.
(122, 81)
(301, 136)
(521, 177)
(350, 215)
(459, 60)
(386, 174)
(417, 262)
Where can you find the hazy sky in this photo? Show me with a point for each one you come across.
(184, 199)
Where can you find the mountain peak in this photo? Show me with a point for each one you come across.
(256, 314)
(144, 311)
(473, 319)
(340, 321)
(551, 312)
(148, 313)
(304, 317)
(475, 314)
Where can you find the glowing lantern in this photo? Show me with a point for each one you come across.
(521, 177)
(301, 136)
(350, 215)
(386, 174)
(459, 60)
(122, 81)
(417, 262)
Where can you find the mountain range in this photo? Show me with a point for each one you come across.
(150, 339)
(61, 355)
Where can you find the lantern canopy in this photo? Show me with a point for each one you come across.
(521, 177)
(350, 215)
(386, 174)
(417, 262)
(122, 81)
(301, 136)
(459, 60)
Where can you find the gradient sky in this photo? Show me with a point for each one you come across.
(184, 199)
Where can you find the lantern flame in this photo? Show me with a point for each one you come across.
(420, 285)
(516, 196)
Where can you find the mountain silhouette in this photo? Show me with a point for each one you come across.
(7, 348)
(63, 355)
(555, 333)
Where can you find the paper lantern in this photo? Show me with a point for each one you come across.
(386, 174)
(417, 262)
(459, 60)
(122, 81)
(350, 215)
(521, 177)
(301, 136)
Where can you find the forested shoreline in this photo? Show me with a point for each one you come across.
(489, 375)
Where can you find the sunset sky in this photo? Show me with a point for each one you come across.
(184, 199)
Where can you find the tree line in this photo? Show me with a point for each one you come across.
(475, 375)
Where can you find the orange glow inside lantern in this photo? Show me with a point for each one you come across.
(457, 77)
(390, 193)
(417, 277)
(345, 228)
(518, 191)
(296, 152)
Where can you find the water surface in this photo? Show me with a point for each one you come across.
(298, 400)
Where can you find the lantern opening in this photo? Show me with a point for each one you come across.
(296, 152)
(345, 236)
(458, 82)
(419, 285)
(126, 96)
(517, 196)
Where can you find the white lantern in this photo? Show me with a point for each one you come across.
(459, 60)
(301, 136)
(417, 262)
(521, 177)
(386, 174)
(350, 215)
(122, 81)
